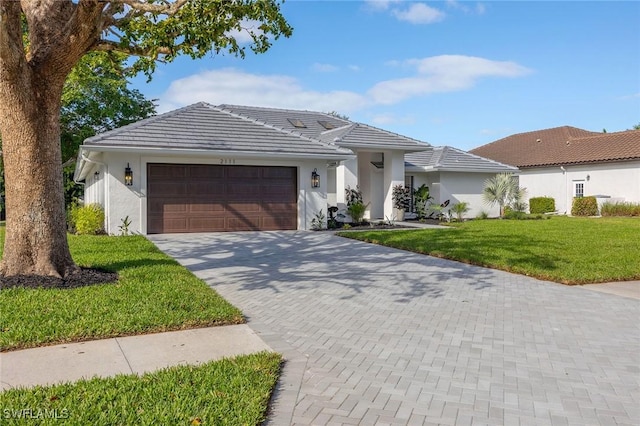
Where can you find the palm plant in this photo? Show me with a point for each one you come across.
(460, 209)
(503, 189)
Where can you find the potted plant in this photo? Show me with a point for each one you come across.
(400, 200)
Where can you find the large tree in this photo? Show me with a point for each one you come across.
(33, 71)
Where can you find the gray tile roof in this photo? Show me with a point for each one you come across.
(346, 133)
(205, 127)
(446, 158)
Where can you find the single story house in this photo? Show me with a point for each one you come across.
(455, 176)
(208, 168)
(567, 162)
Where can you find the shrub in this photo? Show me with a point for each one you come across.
(87, 220)
(584, 206)
(460, 209)
(356, 211)
(317, 223)
(401, 197)
(620, 209)
(538, 205)
(353, 195)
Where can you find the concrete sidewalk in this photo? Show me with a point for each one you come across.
(125, 355)
(621, 288)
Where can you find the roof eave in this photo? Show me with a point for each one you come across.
(218, 153)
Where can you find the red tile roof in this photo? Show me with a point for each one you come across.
(562, 145)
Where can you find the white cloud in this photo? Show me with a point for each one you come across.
(376, 5)
(354, 68)
(478, 9)
(318, 67)
(419, 13)
(232, 86)
(438, 74)
(243, 36)
(446, 73)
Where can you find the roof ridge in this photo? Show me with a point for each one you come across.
(393, 133)
(600, 135)
(277, 128)
(231, 106)
(477, 156)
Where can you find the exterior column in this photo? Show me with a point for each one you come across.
(393, 175)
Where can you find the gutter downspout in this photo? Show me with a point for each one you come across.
(106, 187)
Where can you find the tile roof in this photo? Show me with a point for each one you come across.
(562, 145)
(344, 133)
(206, 127)
(446, 158)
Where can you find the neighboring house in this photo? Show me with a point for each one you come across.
(454, 175)
(208, 168)
(566, 162)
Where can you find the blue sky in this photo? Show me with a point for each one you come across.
(456, 73)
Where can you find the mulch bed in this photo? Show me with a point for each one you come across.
(83, 277)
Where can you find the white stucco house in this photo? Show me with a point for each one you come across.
(567, 162)
(206, 168)
(455, 176)
(229, 168)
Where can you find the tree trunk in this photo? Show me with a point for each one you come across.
(36, 235)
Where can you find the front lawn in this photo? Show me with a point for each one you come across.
(228, 392)
(563, 249)
(154, 293)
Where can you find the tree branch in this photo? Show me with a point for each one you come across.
(168, 9)
(11, 45)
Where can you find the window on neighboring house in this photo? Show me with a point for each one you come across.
(578, 190)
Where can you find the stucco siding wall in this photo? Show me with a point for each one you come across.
(467, 187)
(457, 187)
(617, 180)
(122, 200)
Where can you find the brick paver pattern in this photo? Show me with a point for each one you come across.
(392, 337)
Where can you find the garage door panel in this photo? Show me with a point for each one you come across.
(167, 189)
(243, 207)
(287, 223)
(243, 191)
(243, 223)
(204, 208)
(166, 172)
(206, 224)
(244, 172)
(216, 188)
(287, 174)
(277, 207)
(206, 172)
(209, 198)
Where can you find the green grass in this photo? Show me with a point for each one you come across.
(563, 249)
(228, 392)
(154, 293)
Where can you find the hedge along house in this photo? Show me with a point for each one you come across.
(567, 162)
(205, 168)
(455, 176)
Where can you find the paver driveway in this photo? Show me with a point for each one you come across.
(375, 335)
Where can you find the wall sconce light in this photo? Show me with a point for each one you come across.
(315, 179)
(128, 176)
(588, 178)
(96, 175)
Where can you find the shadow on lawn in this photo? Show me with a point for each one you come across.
(284, 262)
(516, 253)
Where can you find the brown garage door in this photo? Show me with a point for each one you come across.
(207, 198)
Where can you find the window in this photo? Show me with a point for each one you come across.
(296, 123)
(326, 124)
(578, 189)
